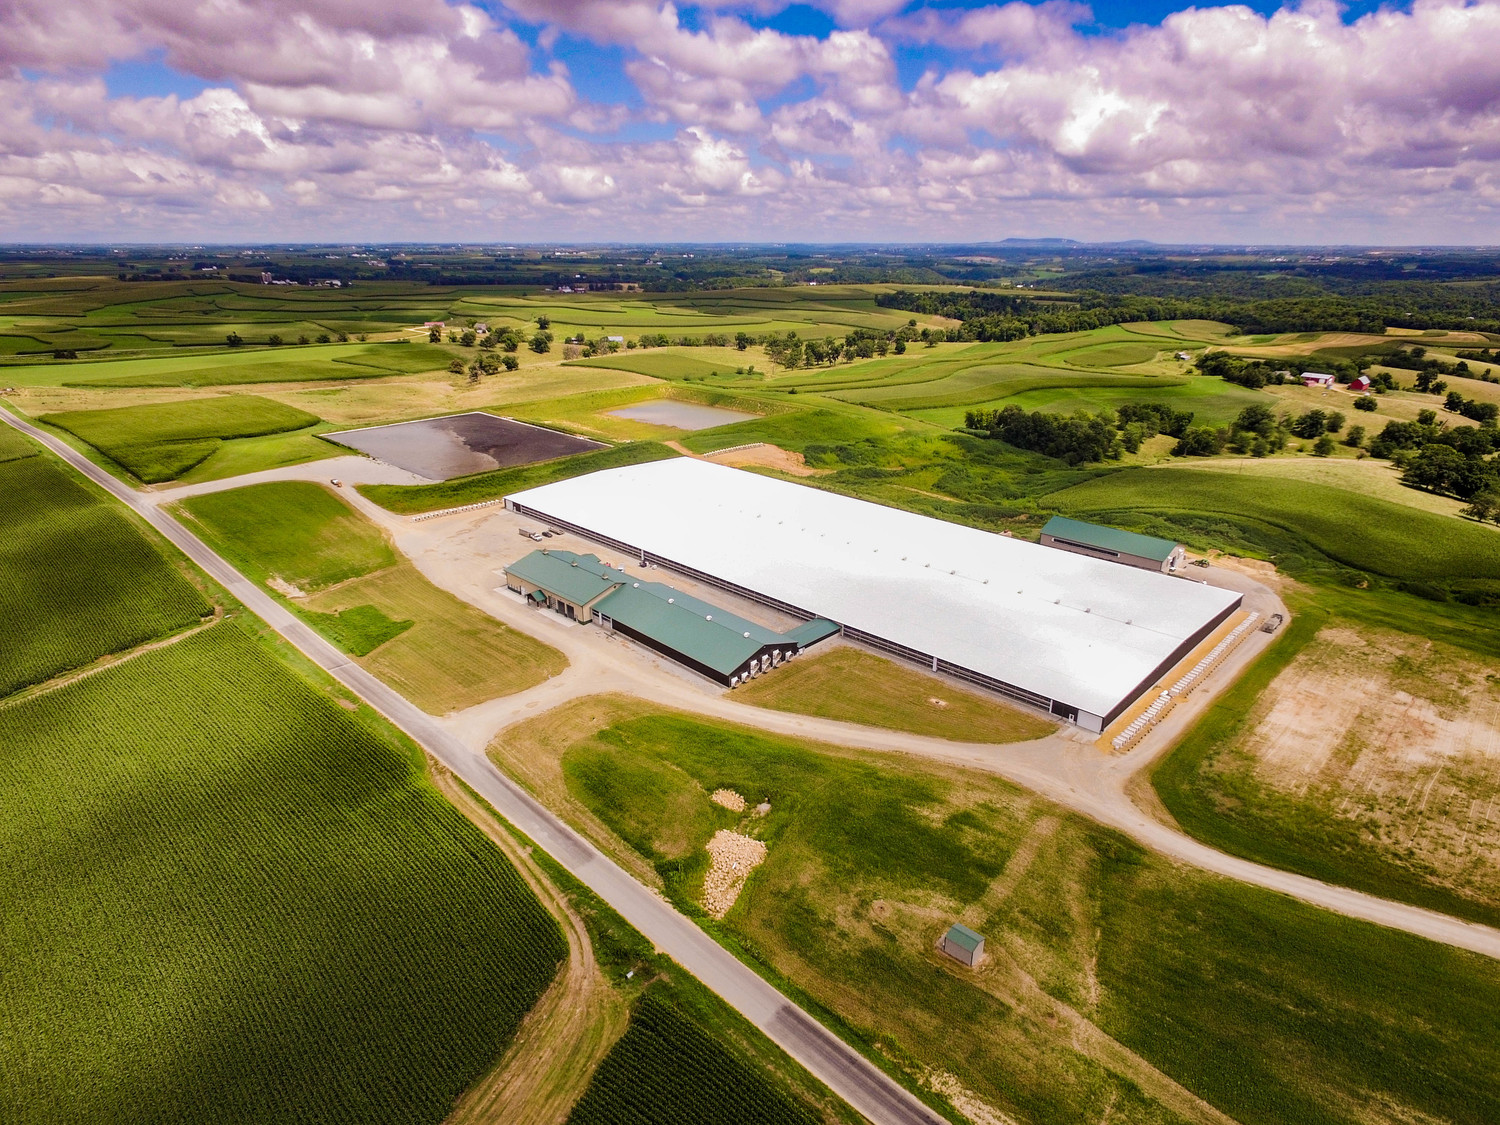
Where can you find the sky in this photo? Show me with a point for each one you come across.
(748, 120)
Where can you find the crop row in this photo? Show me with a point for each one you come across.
(228, 900)
(665, 1070)
(81, 580)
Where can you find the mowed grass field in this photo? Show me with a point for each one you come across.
(855, 686)
(81, 579)
(296, 531)
(1357, 530)
(161, 441)
(1117, 984)
(662, 365)
(229, 899)
(300, 539)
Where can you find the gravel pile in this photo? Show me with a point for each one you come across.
(734, 857)
(729, 799)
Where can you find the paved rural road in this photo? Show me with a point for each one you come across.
(842, 1069)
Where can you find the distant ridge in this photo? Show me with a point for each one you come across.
(1039, 242)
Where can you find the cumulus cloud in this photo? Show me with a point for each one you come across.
(386, 118)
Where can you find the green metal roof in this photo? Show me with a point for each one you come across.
(714, 643)
(575, 578)
(705, 632)
(965, 938)
(810, 632)
(1110, 538)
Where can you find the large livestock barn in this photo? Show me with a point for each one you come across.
(1073, 635)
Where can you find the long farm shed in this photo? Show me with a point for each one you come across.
(1073, 635)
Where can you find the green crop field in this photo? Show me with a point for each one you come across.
(231, 368)
(659, 365)
(665, 1070)
(15, 445)
(81, 580)
(229, 899)
(293, 530)
(161, 441)
(855, 686)
(407, 499)
(1355, 530)
(1270, 1010)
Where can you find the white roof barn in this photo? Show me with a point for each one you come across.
(1077, 635)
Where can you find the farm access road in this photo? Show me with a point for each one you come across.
(461, 552)
(829, 1059)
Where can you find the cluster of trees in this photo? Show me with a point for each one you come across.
(1485, 413)
(275, 340)
(1457, 461)
(1291, 296)
(1260, 432)
(998, 316)
(1082, 436)
(1072, 438)
(790, 350)
(484, 364)
(990, 315)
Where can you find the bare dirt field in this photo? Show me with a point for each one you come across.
(1398, 736)
(765, 456)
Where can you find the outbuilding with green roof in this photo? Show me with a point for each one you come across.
(706, 638)
(1114, 545)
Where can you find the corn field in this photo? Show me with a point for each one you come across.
(80, 579)
(666, 1070)
(225, 899)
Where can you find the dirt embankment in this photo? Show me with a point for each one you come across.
(575, 1023)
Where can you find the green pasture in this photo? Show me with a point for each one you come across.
(1350, 528)
(659, 364)
(230, 899)
(1270, 1010)
(161, 441)
(82, 579)
(407, 499)
(1210, 400)
(294, 530)
(799, 429)
(992, 382)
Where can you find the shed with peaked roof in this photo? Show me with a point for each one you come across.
(1098, 541)
(963, 944)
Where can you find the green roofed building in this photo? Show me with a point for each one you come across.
(1097, 541)
(705, 637)
(963, 944)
